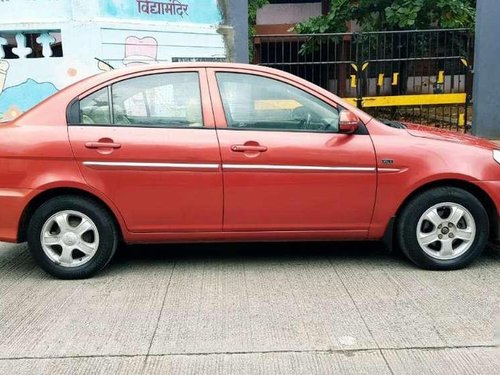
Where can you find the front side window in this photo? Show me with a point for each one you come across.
(260, 103)
(159, 100)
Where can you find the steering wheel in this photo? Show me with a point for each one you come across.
(306, 123)
(302, 114)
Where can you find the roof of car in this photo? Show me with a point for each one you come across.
(161, 66)
(193, 65)
(144, 68)
(100, 78)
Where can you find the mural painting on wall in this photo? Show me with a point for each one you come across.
(32, 65)
(137, 51)
(140, 51)
(193, 11)
(13, 99)
(27, 64)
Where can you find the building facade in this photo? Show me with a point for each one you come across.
(46, 45)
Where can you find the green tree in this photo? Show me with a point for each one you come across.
(253, 7)
(381, 15)
(389, 15)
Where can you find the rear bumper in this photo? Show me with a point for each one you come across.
(12, 204)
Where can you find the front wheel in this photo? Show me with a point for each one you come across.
(443, 229)
(72, 237)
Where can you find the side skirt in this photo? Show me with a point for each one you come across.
(255, 236)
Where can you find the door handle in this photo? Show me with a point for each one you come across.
(248, 148)
(102, 145)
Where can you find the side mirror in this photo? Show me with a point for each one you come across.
(348, 122)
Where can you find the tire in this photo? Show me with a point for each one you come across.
(72, 237)
(460, 231)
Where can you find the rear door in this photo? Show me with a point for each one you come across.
(149, 144)
(285, 165)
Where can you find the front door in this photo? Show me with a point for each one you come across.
(148, 143)
(285, 165)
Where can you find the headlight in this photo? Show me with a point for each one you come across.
(496, 156)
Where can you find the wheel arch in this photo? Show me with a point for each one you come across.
(477, 191)
(45, 195)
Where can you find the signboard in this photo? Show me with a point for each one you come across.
(192, 11)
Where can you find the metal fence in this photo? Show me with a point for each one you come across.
(417, 76)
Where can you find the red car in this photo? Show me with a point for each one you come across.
(227, 152)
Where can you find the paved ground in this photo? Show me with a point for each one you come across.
(250, 309)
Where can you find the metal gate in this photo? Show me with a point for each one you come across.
(417, 76)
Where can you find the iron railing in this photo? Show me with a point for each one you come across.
(418, 76)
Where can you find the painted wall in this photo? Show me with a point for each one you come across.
(199, 11)
(96, 35)
(34, 9)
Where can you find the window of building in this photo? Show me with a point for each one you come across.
(31, 45)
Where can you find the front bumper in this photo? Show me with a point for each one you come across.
(492, 188)
(12, 205)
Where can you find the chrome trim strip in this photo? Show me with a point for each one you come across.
(297, 168)
(267, 167)
(150, 165)
(389, 170)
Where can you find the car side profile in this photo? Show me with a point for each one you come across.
(230, 152)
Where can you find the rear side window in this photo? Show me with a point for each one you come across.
(160, 100)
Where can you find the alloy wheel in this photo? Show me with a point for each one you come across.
(446, 231)
(69, 238)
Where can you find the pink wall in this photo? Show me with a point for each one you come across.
(277, 14)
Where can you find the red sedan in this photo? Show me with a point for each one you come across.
(227, 152)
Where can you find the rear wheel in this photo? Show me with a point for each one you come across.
(72, 237)
(443, 229)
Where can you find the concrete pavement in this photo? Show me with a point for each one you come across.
(308, 308)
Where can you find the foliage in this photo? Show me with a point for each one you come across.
(380, 15)
(335, 21)
(253, 7)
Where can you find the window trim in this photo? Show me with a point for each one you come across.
(218, 105)
(74, 119)
(111, 105)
